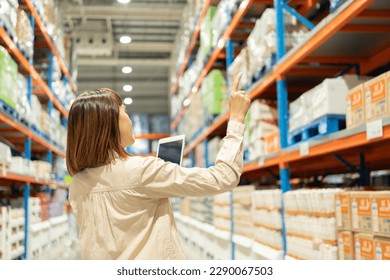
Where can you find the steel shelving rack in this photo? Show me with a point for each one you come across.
(326, 52)
(22, 136)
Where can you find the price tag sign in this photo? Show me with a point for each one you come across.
(261, 161)
(374, 129)
(304, 149)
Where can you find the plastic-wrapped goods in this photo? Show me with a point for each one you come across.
(8, 78)
(214, 145)
(24, 32)
(36, 109)
(45, 123)
(328, 98)
(262, 40)
(268, 237)
(269, 199)
(43, 169)
(193, 117)
(59, 168)
(206, 34)
(311, 200)
(242, 198)
(268, 218)
(202, 209)
(260, 110)
(8, 15)
(11, 232)
(220, 21)
(22, 105)
(240, 65)
(214, 98)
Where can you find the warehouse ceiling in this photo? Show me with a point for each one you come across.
(96, 27)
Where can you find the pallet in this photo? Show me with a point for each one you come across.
(323, 126)
(8, 110)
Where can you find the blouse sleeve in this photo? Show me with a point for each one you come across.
(159, 179)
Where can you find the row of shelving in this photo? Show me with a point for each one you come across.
(33, 126)
(330, 223)
(325, 52)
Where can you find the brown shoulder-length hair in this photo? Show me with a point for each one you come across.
(93, 130)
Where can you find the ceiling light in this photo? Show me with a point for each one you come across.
(127, 69)
(128, 100)
(127, 88)
(123, 1)
(125, 39)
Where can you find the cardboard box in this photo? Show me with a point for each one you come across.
(381, 213)
(364, 246)
(376, 98)
(361, 211)
(356, 111)
(382, 248)
(342, 209)
(346, 245)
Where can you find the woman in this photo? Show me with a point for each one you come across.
(121, 202)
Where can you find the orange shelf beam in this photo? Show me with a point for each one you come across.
(333, 60)
(30, 134)
(191, 46)
(12, 48)
(376, 14)
(50, 43)
(152, 136)
(376, 61)
(366, 28)
(28, 179)
(342, 144)
(241, 11)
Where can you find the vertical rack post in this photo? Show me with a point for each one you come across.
(206, 153)
(50, 103)
(229, 61)
(27, 155)
(282, 97)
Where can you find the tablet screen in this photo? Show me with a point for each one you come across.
(171, 150)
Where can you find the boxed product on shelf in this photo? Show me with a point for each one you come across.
(260, 110)
(36, 110)
(376, 93)
(309, 249)
(8, 74)
(327, 98)
(356, 109)
(221, 211)
(382, 248)
(44, 123)
(268, 237)
(364, 246)
(43, 169)
(220, 21)
(361, 211)
(214, 98)
(381, 213)
(11, 232)
(346, 247)
(267, 218)
(201, 209)
(24, 32)
(272, 142)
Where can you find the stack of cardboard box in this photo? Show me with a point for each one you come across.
(362, 220)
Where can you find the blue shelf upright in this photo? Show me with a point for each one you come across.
(282, 95)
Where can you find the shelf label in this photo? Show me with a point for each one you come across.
(304, 149)
(261, 161)
(374, 129)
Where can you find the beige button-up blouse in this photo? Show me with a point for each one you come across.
(123, 209)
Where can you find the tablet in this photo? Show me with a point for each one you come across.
(171, 148)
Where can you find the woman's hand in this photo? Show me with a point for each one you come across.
(239, 103)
